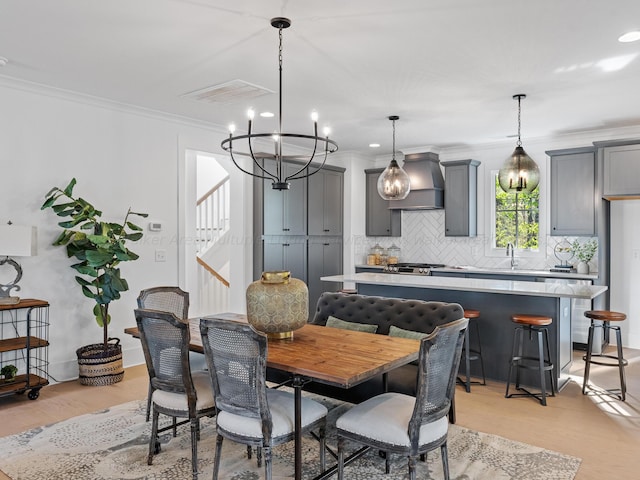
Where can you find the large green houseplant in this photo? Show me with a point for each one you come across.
(99, 247)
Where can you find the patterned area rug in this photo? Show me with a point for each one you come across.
(113, 445)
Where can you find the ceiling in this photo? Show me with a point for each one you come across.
(448, 68)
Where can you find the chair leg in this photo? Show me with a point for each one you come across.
(154, 443)
(552, 377)
(387, 463)
(259, 456)
(216, 462)
(149, 403)
(621, 364)
(412, 468)
(484, 380)
(587, 364)
(194, 447)
(543, 382)
(340, 458)
(511, 362)
(249, 452)
(267, 463)
(323, 451)
(445, 460)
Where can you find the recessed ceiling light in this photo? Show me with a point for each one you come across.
(374, 145)
(3, 61)
(629, 37)
(266, 114)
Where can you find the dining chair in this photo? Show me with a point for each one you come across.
(248, 412)
(177, 391)
(411, 426)
(164, 299)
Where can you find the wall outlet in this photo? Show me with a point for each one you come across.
(635, 254)
(161, 255)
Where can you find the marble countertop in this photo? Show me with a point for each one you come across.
(509, 287)
(469, 269)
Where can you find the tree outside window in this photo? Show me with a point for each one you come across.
(517, 218)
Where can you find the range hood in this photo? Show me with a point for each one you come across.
(427, 183)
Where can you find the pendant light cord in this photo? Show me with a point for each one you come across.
(393, 152)
(519, 122)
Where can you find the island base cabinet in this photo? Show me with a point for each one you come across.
(496, 327)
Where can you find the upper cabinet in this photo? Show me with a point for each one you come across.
(285, 211)
(326, 202)
(621, 170)
(379, 220)
(573, 198)
(460, 198)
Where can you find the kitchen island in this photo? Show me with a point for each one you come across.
(497, 300)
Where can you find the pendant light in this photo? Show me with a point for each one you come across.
(393, 182)
(520, 173)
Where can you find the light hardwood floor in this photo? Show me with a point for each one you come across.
(603, 432)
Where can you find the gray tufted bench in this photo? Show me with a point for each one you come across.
(416, 315)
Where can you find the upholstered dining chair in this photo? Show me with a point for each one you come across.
(248, 412)
(177, 391)
(164, 299)
(411, 426)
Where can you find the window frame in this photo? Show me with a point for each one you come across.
(490, 246)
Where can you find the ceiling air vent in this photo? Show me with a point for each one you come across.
(228, 92)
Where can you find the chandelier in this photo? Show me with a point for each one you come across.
(519, 173)
(318, 144)
(393, 182)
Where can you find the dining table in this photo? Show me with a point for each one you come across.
(332, 356)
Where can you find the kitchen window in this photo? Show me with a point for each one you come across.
(516, 218)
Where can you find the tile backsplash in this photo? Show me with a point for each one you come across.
(423, 241)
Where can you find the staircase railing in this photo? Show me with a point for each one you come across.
(212, 215)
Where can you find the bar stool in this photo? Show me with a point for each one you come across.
(606, 317)
(469, 354)
(541, 363)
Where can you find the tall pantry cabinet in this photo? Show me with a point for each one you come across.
(300, 229)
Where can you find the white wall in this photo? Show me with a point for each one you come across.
(121, 157)
(625, 267)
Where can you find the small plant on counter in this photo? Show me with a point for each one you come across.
(9, 372)
(584, 252)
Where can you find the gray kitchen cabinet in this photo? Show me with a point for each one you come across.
(285, 211)
(460, 198)
(286, 253)
(325, 258)
(572, 196)
(621, 171)
(379, 220)
(326, 195)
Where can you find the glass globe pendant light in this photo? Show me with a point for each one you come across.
(393, 182)
(519, 173)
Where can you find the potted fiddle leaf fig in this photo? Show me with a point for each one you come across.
(99, 247)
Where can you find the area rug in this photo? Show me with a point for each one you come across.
(112, 445)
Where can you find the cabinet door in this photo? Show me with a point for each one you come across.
(286, 254)
(325, 258)
(379, 220)
(622, 170)
(326, 203)
(285, 211)
(573, 201)
(460, 198)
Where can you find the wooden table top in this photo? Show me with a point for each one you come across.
(328, 355)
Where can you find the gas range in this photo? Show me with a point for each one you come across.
(412, 268)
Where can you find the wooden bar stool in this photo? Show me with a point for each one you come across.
(469, 354)
(606, 317)
(542, 363)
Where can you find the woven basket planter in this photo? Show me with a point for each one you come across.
(98, 366)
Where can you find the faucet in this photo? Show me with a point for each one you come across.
(511, 251)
